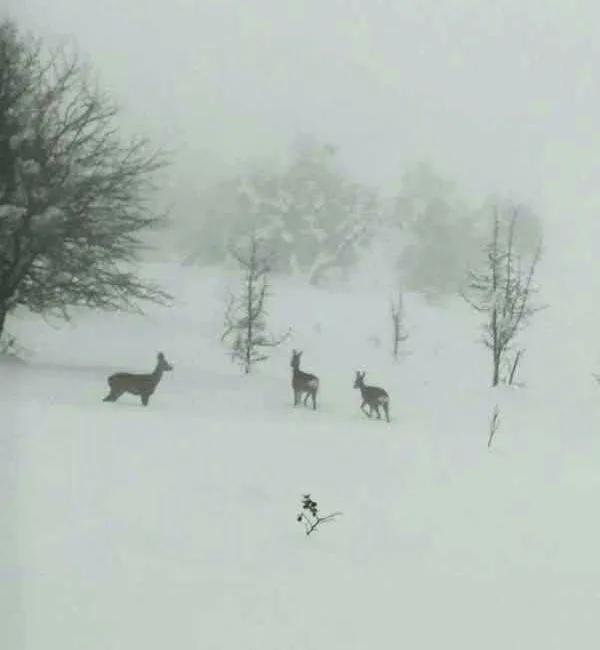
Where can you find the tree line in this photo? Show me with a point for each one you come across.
(320, 222)
(77, 198)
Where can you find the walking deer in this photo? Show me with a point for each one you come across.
(303, 382)
(373, 397)
(142, 385)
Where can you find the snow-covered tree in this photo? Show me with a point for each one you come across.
(438, 232)
(245, 330)
(502, 289)
(309, 210)
(75, 197)
(325, 219)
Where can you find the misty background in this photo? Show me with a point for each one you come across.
(499, 99)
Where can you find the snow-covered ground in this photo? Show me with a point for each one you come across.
(174, 526)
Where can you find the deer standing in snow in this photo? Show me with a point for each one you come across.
(142, 385)
(303, 382)
(373, 397)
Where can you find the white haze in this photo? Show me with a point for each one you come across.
(500, 97)
(503, 97)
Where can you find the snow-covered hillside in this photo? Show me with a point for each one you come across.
(174, 526)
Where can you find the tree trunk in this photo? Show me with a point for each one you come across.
(3, 315)
(496, 350)
(249, 312)
(496, 374)
(497, 359)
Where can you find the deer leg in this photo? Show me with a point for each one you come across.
(314, 400)
(306, 396)
(377, 411)
(145, 398)
(387, 412)
(296, 397)
(112, 396)
(362, 408)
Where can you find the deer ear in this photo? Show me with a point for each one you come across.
(160, 355)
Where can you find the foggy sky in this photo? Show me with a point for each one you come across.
(502, 96)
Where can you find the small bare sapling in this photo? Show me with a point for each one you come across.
(494, 425)
(399, 334)
(245, 328)
(309, 515)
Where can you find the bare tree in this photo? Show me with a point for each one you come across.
(245, 315)
(75, 196)
(399, 334)
(503, 291)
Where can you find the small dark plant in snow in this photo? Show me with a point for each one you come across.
(310, 517)
(246, 313)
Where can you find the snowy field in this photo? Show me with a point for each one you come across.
(174, 526)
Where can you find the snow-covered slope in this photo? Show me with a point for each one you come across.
(175, 525)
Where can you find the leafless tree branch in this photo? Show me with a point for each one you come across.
(503, 291)
(77, 194)
(245, 314)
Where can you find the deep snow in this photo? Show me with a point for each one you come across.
(174, 525)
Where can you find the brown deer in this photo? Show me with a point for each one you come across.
(373, 397)
(142, 385)
(303, 382)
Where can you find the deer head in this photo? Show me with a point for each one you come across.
(163, 364)
(295, 362)
(359, 380)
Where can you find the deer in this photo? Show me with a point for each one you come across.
(142, 385)
(303, 382)
(373, 397)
